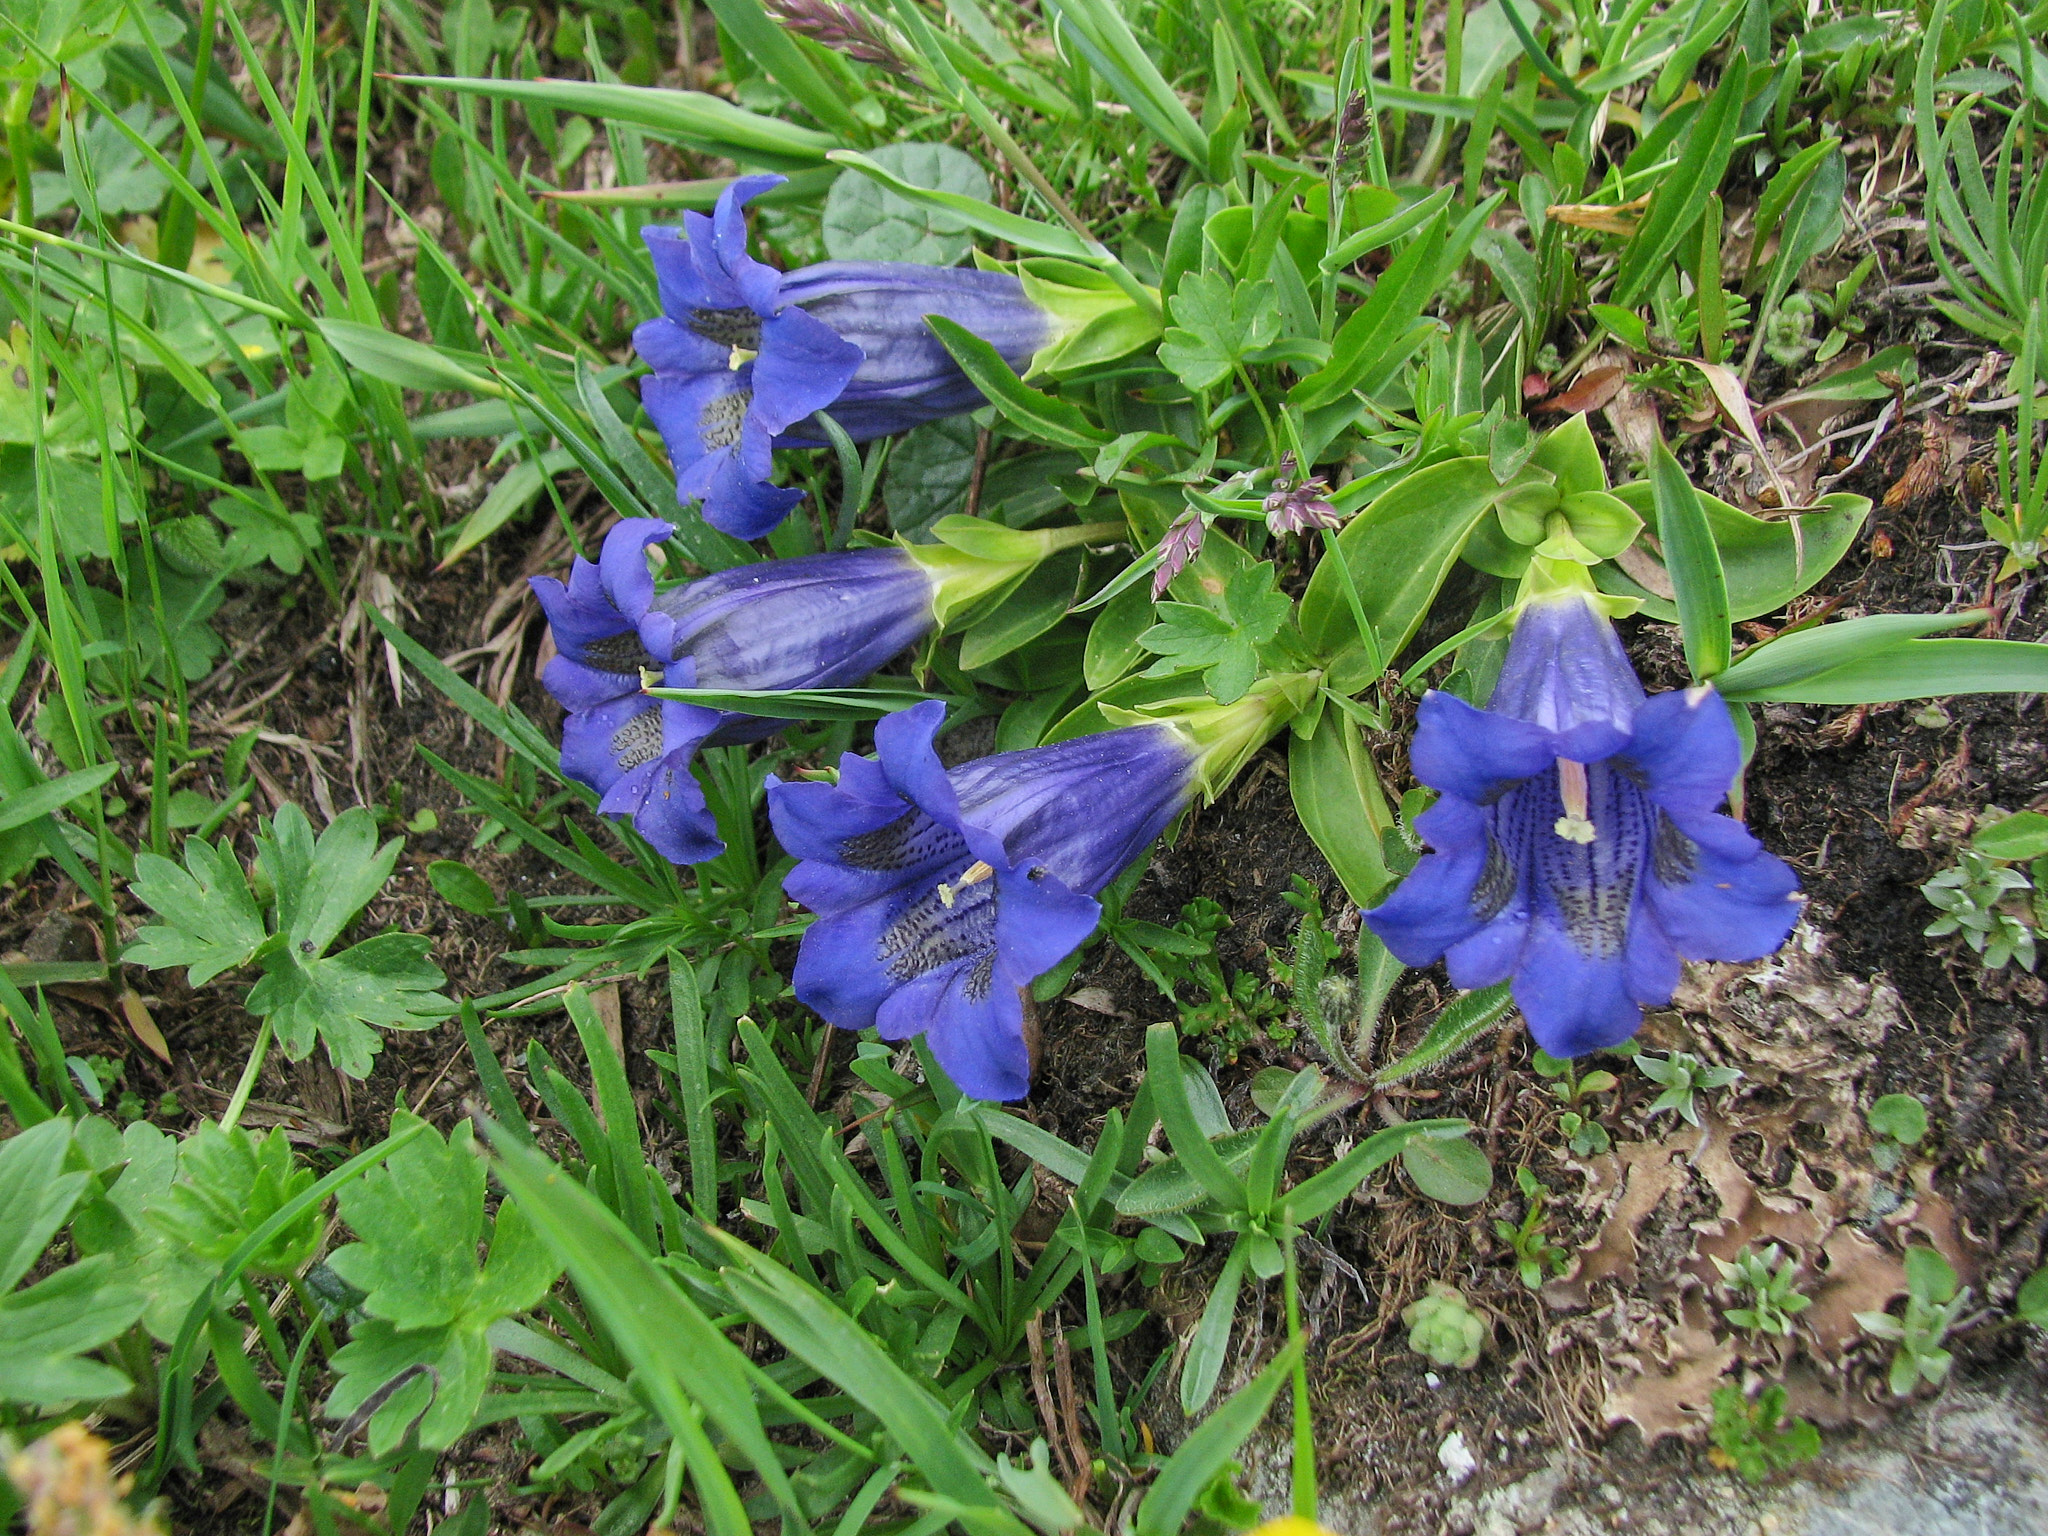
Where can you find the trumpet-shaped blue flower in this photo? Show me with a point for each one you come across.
(1577, 843)
(744, 354)
(940, 895)
(821, 621)
(906, 376)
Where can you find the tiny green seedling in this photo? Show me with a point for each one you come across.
(1933, 1304)
(1683, 1076)
(1899, 1122)
(1756, 1439)
(1442, 1327)
(1583, 1133)
(2000, 911)
(1770, 1280)
(1536, 1258)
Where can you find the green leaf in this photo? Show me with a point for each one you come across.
(229, 1184)
(516, 490)
(690, 1369)
(462, 887)
(168, 1272)
(2031, 1304)
(1316, 1196)
(35, 1195)
(929, 473)
(693, 117)
(1223, 646)
(865, 221)
(1035, 414)
(1681, 197)
(974, 212)
(1463, 1021)
(2016, 838)
(27, 805)
(1216, 324)
(1192, 1468)
(1765, 564)
(1900, 1116)
(768, 41)
(1809, 652)
(1399, 550)
(386, 981)
(418, 1218)
(46, 1329)
(1370, 347)
(1695, 566)
(319, 886)
(1337, 795)
(1919, 669)
(402, 361)
(1454, 1170)
(1204, 1363)
(1037, 603)
(212, 924)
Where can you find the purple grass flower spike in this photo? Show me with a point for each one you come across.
(1577, 844)
(821, 621)
(1182, 543)
(940, 895)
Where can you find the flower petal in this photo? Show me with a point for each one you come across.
(739, 502)
(1433, 909)
(978, 1039)
(622, 564)
(670, 348)
(674, 817)
(601, 745)
(802, 368)
(1566, 669)
(1573, 1003)
(904, 745)
(1716, 893)
(1475, 754)
(1686, 750)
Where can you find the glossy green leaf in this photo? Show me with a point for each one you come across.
(1338, 797)
(974, 212)
(1204, 1453)
(1454, 1171)
(1695, 567)
(1034, 413)
(1764, 564)
(1681, 197)
(1807, 653)
(1399, 550)
(1920, 669)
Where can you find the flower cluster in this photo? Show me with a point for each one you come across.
(745, 356)
(819, 621)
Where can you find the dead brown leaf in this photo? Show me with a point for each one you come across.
(1592, 390)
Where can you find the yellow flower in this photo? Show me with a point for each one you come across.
(1293, 1525)
(68, 1480)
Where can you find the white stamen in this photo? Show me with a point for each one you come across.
(974, 874)
(1573, 826)
(741, 356)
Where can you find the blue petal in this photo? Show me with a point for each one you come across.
(1686, 750)
(676, 280)
(802, 367)
(740, 503)
(622, 564)
(575, 686)
(1573, 1003)
(1475, 754)
(1431, 910)
(910, 761)
(979, 1041)
(670, 348)
(1717, 894)
(839, 971)
(674, 818)
(1566, 669)
(594, 739)
(675, 403)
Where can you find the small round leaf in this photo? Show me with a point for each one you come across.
(461, 886)
(866, 222)
(1453, 1170)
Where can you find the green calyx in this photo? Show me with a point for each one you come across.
(1552, 576)
(975, 559)
(1094, 318)
(1224, 737)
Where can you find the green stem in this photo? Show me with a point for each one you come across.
(1265, 416)
(239, 1101)
(18, 105)
(1304, 1471)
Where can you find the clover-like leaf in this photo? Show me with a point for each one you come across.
(418, 1219)
(1222, 645)
(229, 1183)
(211, 923)
(865, 221)
(47, 1330)
(1216, 325)
(386, 981)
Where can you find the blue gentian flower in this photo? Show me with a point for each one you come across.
(1577, 845)
(906, 376)
(735, 362)
(820, 621)
(940, 895)
(743, 354)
